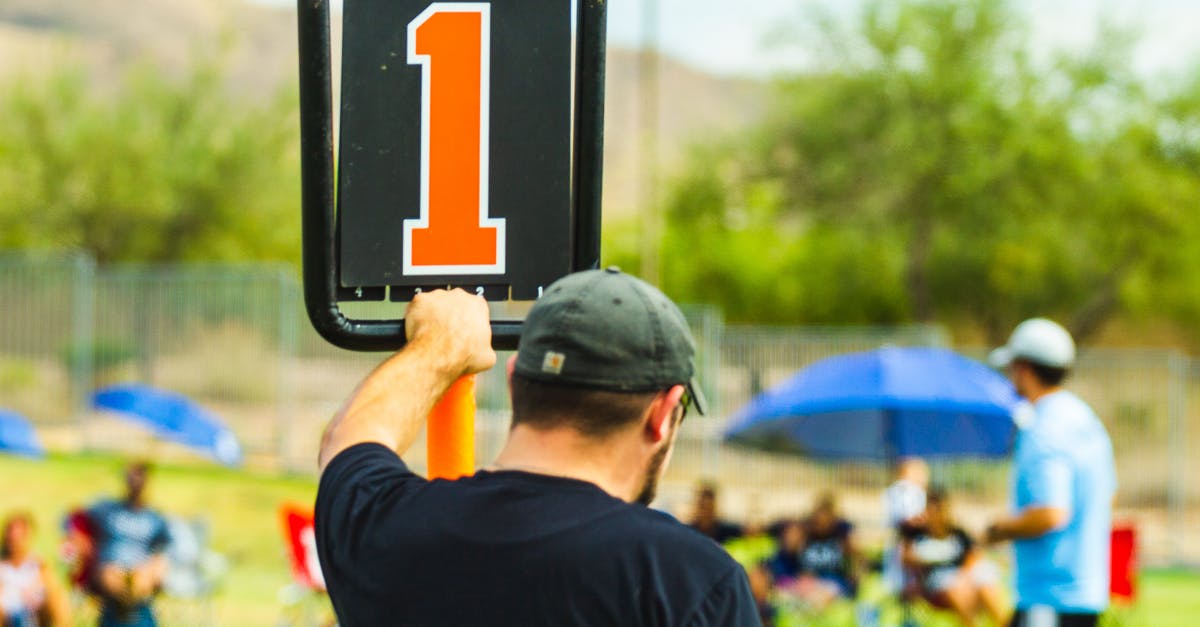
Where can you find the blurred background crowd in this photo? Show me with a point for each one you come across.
(841, 177)
(812, 567)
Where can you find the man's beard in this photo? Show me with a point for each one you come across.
(650, 483)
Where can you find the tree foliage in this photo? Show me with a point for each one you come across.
(933, 171)
(157, 168)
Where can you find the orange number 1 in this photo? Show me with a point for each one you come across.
(454, 235)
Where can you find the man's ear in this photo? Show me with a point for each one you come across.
(510, 367)
(659, 416)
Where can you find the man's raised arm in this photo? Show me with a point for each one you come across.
(449, 336)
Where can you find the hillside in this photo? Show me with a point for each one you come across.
(104, 36)
(692, 105)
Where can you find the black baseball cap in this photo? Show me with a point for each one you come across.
(607, 330)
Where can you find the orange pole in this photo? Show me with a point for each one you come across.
(450, 436)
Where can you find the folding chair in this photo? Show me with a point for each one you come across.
(194, 572)
(305, 598)
(1122, 581)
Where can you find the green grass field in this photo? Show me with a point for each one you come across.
(241, 509)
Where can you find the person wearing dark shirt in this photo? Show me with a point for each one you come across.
(708, 522)
(829, 558)
(950, 570)
(556, 531)
(785, 565)
(131, 542)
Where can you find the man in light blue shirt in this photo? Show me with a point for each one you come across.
(1062, 490)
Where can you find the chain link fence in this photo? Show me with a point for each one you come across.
(235, 339)
(762, 486)
(223, 336)
(1142, 398)
(46, 329)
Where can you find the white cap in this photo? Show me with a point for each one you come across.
(1037, 340)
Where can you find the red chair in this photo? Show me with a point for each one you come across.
(302, 546)
(78, 550)
(1123, 565)
(305, 601)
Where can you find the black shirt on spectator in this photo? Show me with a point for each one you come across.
(824, 554)
(784, 564)
(722, 531)
(934, 553)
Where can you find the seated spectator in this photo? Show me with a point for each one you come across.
(706, 520)
(825, 567)
(29, 593)
(761, 587)
(784, 565)
(950, 570)
(829, 550)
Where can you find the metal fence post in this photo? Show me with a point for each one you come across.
(712, 330)
(82, 345)
(290, 305)
(1178, 366)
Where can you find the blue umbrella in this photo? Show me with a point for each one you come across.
(172, 417)
(17, 435)
(882, 405)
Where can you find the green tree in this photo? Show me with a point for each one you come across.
(931, 171)
(156, 168)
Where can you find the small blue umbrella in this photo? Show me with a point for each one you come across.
(172, 417)
(882, 405)
(17, 436)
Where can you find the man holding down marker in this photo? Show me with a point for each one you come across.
(556, 531)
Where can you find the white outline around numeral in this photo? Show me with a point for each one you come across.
(485, 62)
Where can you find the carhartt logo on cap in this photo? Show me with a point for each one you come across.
(553, 362)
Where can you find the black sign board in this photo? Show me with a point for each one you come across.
(469, 154)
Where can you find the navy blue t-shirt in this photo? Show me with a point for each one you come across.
(824, 554)
(721, 532)
(127, 536)
(511, 548)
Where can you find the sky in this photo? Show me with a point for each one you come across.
(730, 36)
(689, 29)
